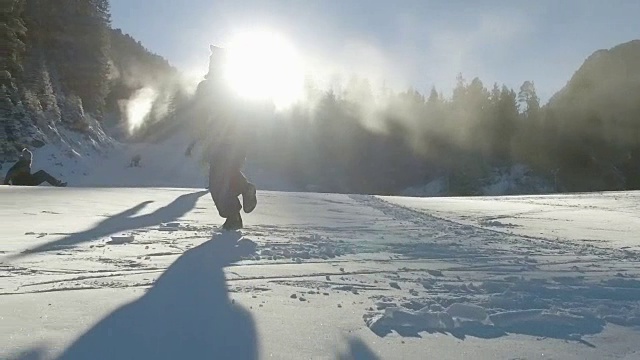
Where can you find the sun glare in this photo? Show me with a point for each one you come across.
(138, 107)
(263, 65)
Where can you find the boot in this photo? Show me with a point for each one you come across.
(233, 222)
(249, 199)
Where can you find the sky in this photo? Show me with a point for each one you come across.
(401, 43)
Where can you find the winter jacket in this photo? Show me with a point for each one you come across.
(225, 132)
(19, 173)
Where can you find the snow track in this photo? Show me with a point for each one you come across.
(380, 276)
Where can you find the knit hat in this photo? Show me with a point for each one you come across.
(26, 154)
(216, 58)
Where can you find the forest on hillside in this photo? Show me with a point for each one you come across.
(66, 68)
(587, 138)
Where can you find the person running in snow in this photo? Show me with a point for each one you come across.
(20, 173)
(227, 139)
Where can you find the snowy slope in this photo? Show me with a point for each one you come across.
(162, 164)
(133, 273)
(70, 155)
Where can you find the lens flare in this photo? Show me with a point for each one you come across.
(263, 65)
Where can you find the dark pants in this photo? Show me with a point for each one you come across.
(37, 178)
(226, 183)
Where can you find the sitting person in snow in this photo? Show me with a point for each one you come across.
(20, 173)
(226, 143)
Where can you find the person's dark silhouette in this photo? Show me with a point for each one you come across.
(227, 140)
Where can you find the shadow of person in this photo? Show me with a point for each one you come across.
(122, 222)
(358, 350)
(187, 313)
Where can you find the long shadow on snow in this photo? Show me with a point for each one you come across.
(187, 313)
(123, 221)
(358, 350)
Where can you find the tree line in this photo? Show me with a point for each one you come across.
(360, 140)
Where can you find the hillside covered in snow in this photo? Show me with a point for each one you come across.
(66, 82)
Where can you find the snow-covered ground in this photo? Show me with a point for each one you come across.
(132, 273)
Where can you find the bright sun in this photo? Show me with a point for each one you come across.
(263, 65)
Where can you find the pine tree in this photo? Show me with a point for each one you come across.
(529, 100)
(507, 117)
(434, 98)
(74, 36)
(460, 89)
(12, 37)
